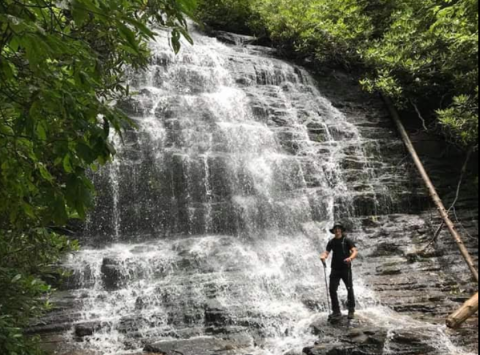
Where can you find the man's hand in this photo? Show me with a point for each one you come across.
(353, 256)
(324, 258)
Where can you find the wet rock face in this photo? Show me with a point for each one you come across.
(111, 274)
(201, 346)
(424, 284)
(206, 235)
(216, 314)
(362, 337)
(89, 329)
(199, 165)
(360, 341)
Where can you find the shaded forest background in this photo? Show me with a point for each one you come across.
(62, 67)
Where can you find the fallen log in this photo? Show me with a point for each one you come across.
(466, 311)
(457, 196)
(431, 189)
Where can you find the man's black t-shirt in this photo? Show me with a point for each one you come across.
(341, 251)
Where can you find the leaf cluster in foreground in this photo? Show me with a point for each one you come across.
(62, 67)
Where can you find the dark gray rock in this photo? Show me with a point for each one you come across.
(362, 337)
(111, 274)
(216, 314)
(233, 39)
(199, 346)
(132, 325)
(410, 343)
(88, 329)
(49, 328)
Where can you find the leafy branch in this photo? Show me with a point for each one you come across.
(60, 67)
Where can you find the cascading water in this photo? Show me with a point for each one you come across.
(213, 216)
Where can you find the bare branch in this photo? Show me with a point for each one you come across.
(424, 123)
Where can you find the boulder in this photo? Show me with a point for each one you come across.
(49, 328)
(233, 38)
(216, 314)
(88, 329)
(363, 337)
(404, 342)
(362, 341)
(111, 274)
(197, 346)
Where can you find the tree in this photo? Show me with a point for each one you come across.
(61, 69)
(227, 15)
(329, 30)
(428, 54)
(420, 52)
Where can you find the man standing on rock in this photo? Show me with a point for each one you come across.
(344, 252)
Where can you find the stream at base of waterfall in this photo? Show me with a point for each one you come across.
(209, 224)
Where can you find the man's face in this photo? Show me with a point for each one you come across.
(338, 232)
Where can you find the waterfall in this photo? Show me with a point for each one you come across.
(213, 216)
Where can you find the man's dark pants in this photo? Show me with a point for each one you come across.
(346, 276)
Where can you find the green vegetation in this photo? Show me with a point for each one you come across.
(61, 67)
(422, 54)
(226, 15)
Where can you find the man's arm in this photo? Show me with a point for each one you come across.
(353, 255)
(326, 253)
(325, 256)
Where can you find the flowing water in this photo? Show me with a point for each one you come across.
(216, 209)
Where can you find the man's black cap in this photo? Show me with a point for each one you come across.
(338, 225)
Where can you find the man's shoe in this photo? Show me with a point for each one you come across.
(351, 314)
(335, 316)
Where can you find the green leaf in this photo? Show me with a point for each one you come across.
(175, 40)
(6, 69)
(111, 148)
(41, 132)
(129, 36)
(188, 6)
(185, 34)
(28, 209)
(67, 165)
(79, 14)
(140, 26)
(60, 215)
(44, 173)
(128, 49)
(88, 5)
(4, 129)
(85, 153)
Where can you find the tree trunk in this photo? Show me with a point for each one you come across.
(431, 188)
(465, 312)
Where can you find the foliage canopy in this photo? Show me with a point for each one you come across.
(226, 15)
(61, 69)
(423, 53)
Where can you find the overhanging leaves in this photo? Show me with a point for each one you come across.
(62, 65)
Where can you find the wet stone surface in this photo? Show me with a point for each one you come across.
(363, 337)
(202, 346)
